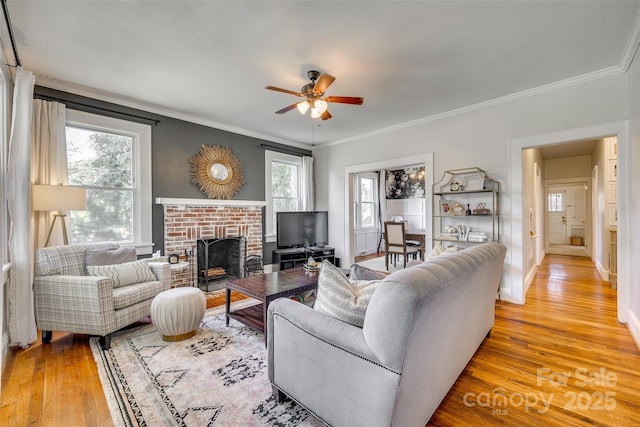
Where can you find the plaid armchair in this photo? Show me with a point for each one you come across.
(68, 299)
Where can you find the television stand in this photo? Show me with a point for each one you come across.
(296, 257)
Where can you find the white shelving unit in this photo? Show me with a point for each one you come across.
(466, 208)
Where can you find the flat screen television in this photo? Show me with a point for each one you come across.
(302, 229)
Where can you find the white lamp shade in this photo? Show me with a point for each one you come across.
(320, 105)
(58, 198)
(303, 106)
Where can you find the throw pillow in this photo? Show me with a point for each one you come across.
(440, 250)
(359, 272)
(109, 256)
(341, 298)
(125, 274)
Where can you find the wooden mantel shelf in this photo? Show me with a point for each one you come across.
(209, 202)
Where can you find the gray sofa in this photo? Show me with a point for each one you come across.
(68, 299)
(421, 328)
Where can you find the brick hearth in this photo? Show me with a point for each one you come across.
(186, 220)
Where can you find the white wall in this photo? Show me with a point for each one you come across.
(633, 267)
(476, 138)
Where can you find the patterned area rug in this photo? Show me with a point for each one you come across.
(216, 378)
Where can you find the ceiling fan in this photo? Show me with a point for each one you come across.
(314, 92)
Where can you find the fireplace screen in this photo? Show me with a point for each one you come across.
(220, 258)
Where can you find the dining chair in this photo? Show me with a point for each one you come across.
(396, 243)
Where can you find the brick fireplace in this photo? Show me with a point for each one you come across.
(187, 220)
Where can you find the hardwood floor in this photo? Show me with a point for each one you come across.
(538, 353)
(562, 359)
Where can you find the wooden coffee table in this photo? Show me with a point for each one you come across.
(266, 288)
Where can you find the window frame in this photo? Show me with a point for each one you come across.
(277, 157)
(358, 200)
(141, 164)
(562, 202)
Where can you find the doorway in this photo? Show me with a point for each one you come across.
(424, 160)
(567, 219)
(518, 271)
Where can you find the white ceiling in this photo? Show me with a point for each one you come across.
(208, 61)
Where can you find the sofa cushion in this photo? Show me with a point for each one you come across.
(359, 272)
(109, 256)
(129, 295)
(342, 298)
(124, 274)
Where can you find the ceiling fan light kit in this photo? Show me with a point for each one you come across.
(313, 92)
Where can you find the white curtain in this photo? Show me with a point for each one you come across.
(382, 199)
(22, 326)
(48, 162)
(308, 191)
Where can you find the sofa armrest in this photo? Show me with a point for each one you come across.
(326, 365)
(162, 271)
(321, 326)
(89, 298)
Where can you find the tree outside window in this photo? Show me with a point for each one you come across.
(102, 163)
(284, 187)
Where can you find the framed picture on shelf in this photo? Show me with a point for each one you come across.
(446, 207)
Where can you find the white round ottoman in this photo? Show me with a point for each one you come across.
(177, 312)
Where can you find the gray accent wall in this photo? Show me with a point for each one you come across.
(173, 143)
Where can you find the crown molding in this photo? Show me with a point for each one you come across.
(573, 81)
(632, 46)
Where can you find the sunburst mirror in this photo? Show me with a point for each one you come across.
(217, 171)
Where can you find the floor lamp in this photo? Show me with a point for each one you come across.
(59, 198)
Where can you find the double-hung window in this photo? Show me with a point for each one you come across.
(282, 187)
(366, 200)
(111, 158)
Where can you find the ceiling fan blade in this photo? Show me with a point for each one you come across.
(287, 108)
(326, 115)
(278, 89)
(355, 100)
(323, 83)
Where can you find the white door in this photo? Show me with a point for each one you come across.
(557, 217)
(567, 218)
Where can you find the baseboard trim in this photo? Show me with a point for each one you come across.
(634, 327)
(528, 280)
(604, 273)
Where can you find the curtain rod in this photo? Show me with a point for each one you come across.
(13, 41)
(87, 106)
(292, 151)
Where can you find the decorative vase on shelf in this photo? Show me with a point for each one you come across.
(468, 211)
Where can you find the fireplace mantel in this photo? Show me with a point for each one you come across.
(182, 203)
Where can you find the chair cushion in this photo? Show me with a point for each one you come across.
(342, 298)
(124, 274)
(109, 256)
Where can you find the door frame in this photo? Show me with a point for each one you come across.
(515, 240)
(425, 159)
